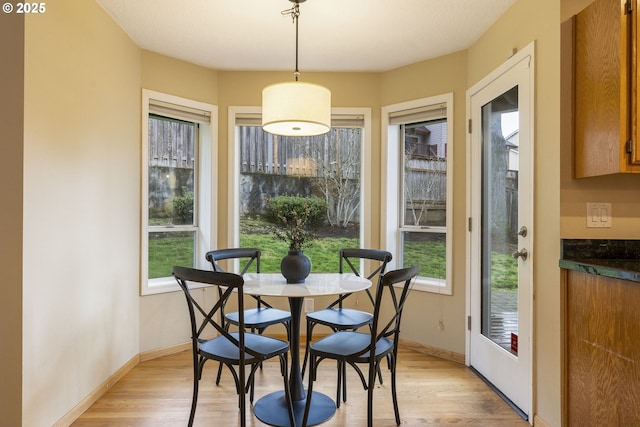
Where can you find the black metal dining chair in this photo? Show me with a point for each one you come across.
(255, 319)
(236, 350)
(370, 348)
(339, 318)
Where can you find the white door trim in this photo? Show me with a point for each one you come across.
(527, 53)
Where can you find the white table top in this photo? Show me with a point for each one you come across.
(275, 285)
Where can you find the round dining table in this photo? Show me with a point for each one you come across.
(272, 408)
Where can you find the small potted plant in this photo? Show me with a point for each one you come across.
(295, 221)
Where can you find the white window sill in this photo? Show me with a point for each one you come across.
(429, 284)
(163, 285)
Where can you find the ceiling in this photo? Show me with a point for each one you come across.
(335, 35)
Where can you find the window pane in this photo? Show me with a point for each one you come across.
(418, 200)
(425, 174)
(326, 166)
(428, 250)
(167, 249)
(171, 171)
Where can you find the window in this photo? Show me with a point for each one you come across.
(177, 187)
(332, 167)
(417, 188)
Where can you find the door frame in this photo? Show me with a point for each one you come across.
(473, 225)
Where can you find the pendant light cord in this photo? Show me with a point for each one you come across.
(295, 14)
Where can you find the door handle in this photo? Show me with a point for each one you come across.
(522, 253)
(523, 231)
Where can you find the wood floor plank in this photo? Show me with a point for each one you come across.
(431, 392)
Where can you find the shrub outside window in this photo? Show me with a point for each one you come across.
(331, 167)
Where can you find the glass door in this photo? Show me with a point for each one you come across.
(499, 217)
(501, 205)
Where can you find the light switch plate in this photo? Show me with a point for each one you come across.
(599, 215)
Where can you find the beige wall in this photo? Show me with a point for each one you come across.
(174, 77)
(11, 126)
(81, 206)
(622, 191)
(425, 310)
(522, 23)
(164, 321)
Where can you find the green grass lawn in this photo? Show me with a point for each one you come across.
(165, 252)
(430, 256)
(504, 271)
(323, 253)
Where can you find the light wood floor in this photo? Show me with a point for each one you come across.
(431, 392)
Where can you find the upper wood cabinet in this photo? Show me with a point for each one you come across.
(606, 114)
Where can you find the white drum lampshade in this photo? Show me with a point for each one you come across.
(296, 109)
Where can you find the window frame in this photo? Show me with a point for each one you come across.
(390, 190)
(233, 231)
(205, 217)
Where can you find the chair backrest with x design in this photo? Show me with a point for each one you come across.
(350, 262)
(228, 283)
(390, 327)
(252, 257)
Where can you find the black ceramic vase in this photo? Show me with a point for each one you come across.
(295, 267)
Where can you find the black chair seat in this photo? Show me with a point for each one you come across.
(342, 344)
(260, 318)
(341, 318)
(222, 348)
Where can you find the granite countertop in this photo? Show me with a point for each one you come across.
(619, 259)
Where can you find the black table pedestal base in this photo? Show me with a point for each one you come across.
(272, 409)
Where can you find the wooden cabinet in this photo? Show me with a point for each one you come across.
(606, 114)
(601, 351)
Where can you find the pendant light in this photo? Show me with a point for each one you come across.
(296, 108)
